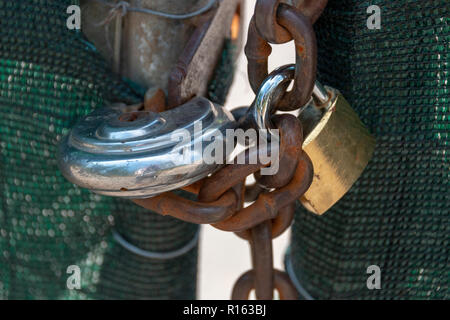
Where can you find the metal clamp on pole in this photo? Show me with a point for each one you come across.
(156, 255)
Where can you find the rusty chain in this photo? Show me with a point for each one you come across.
(221, 196)
(258, 51)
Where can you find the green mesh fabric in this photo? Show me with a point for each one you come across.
(223, 74)
(397, 215)
(50, 77)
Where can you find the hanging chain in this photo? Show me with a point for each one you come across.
(221, 196)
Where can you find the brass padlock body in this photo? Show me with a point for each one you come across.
(340, 147)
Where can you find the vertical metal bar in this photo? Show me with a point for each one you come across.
(117, 43)
(151, 45)
(262, 258)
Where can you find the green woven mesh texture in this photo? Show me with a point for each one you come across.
(50, 77)
(397, 215)
(223, 74)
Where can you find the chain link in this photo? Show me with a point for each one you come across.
(266, 18)
(258, 51)
(221, 196)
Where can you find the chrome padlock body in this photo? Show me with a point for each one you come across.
(141, 154)
(339, 145)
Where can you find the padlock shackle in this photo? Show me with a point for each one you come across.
(320, 95)
(273, 88)
(269, 93)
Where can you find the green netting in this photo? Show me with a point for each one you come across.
(397, 214)
(50, 77)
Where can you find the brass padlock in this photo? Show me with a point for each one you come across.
(339, 145)
(335, 139)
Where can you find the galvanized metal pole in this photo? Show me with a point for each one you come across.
(150, 45)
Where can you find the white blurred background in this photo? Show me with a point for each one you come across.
(224, 256)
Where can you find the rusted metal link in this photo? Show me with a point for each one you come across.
(257, 52)
(280, 224)
(312, 8)
(216, 202)
(221, 196)
(266, 22)
(291, 134)
(246, 283)
(290, 184)
(262, 260)
(283, 221)
(252, 191)
(266, 18)
(268, 204)
(193, 211)
(290, 149)
(228, 177)
(194, 188)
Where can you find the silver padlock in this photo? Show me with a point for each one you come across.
(140, 154)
